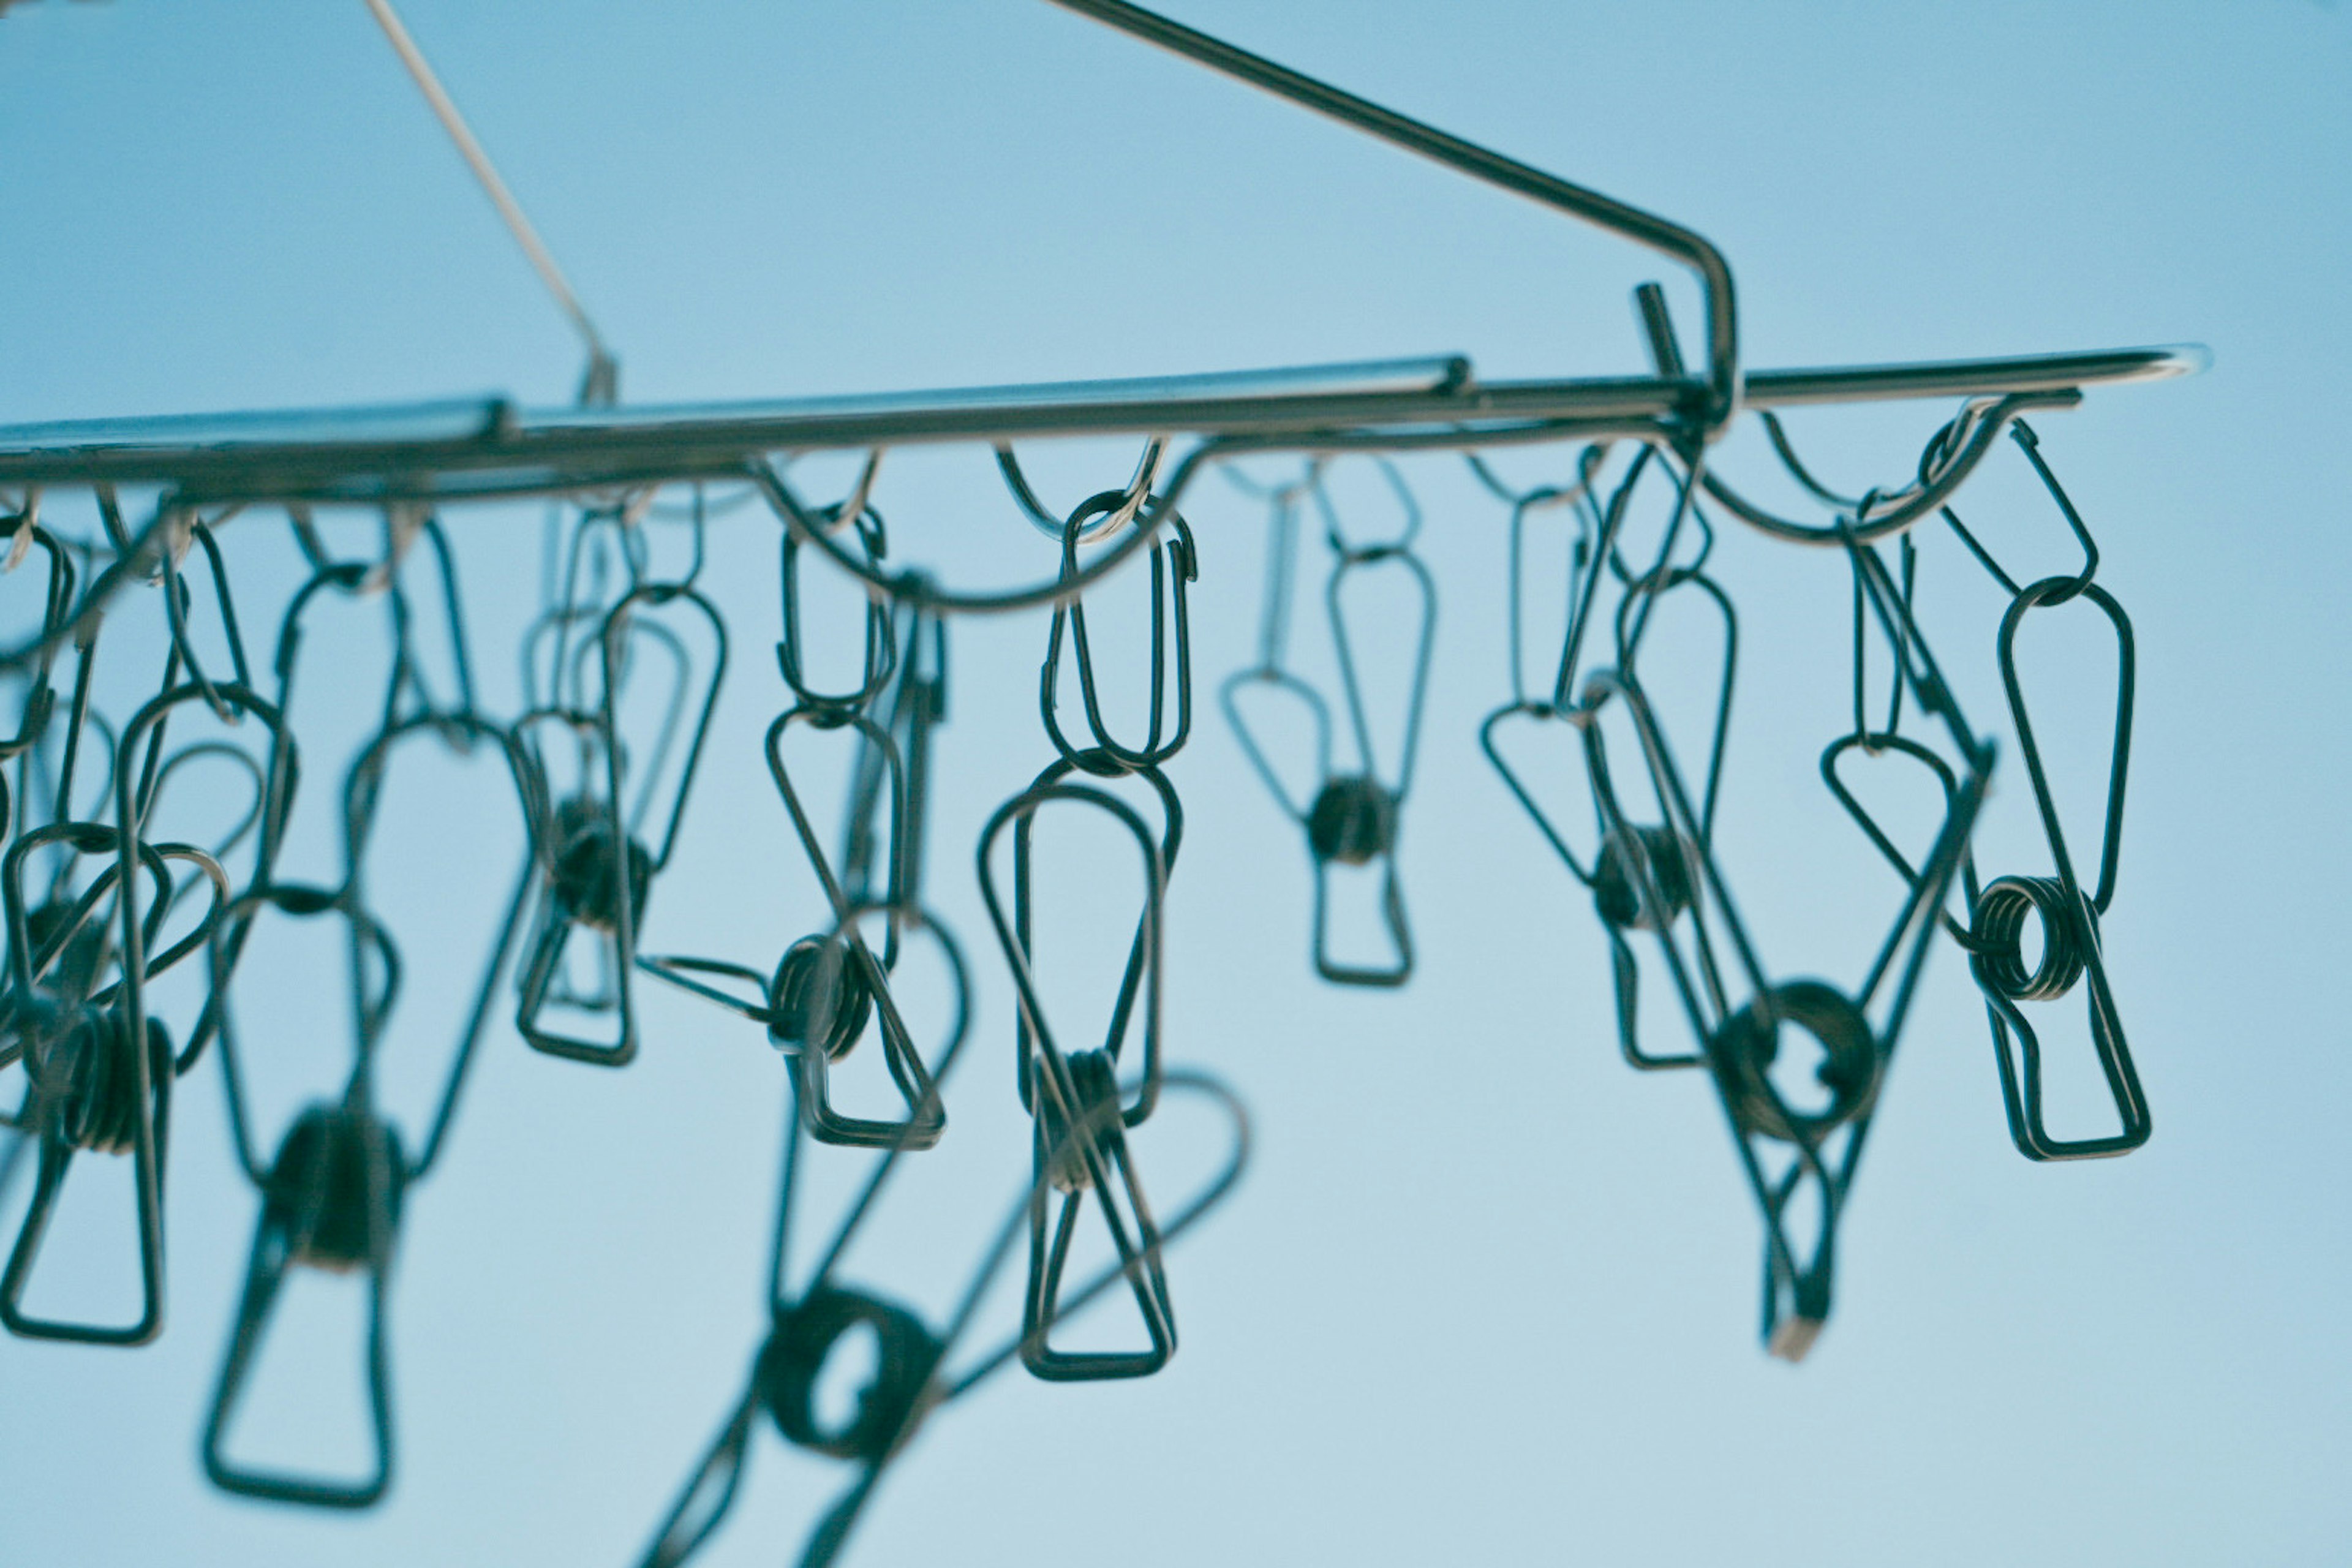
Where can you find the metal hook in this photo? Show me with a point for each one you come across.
(914, 588)
(1893, 513)
(1712, 402)
(1105, 513)
(2031, 445)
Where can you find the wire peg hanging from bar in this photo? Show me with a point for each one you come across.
(2064, 913)
(599, 865)
(331, 1198)
(829, 984)
(1800, 1158)
(112, 1061)
(830, 988)
(1350, 819)
(1079, 1088)
(1739, 1041)
(98, 1068)
(22, 532)
(2067, 912)
(1357, 817)
(913, 706)
(333, 1195)
(915, 1368)
(857, 512)
(1103, 515)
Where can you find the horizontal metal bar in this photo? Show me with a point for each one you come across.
(1974, 378)
(488, 446)
(962, 407)
(490, 431)
(446, 420)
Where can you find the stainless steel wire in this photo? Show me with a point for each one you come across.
(622, 671)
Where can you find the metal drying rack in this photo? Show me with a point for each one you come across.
(484, 448)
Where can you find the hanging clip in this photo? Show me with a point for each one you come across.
(600, 863)
(881, 647)
(1353, 818)
(2068, 917)
(914, 705)
(23, 531)
(1067, 1090)
(1172, 567)
(98, 1070)
(829, 987)
(331, 1200)
(911, 1377)
(1785, 1150)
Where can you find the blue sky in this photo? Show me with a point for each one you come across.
(1485, 1292)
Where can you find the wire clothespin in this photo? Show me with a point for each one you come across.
(334, 1192)
(826, 987)
(858, 512)
(112, 1062)
(331, 1199)
(916, 1370)
(1740, 1015)
(98, 1069)
(914, 705)
(2068, 915)
(1066, 1089)
(23, 531)
(2065, 912)
(601, 857)
(1353, 818)
(1173, 566)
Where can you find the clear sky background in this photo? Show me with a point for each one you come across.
(1486, 1294)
